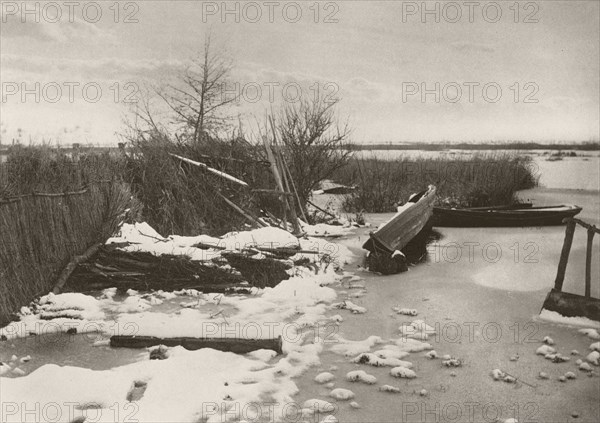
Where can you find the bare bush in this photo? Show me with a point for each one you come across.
(315, 143)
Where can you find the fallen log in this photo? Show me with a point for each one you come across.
(234, 345)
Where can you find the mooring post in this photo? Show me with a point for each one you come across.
(564, 255)
(588, 262)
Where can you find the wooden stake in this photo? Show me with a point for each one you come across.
(300, 205)
(588, 262)
(564, 255)
(285, 178)
(289, 199)
(277, 177)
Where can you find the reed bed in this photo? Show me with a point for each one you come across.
(473, 181)
(182, 199)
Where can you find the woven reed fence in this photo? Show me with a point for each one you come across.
(41, 233)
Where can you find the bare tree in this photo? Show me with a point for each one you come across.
(315, 143)
(195, 100)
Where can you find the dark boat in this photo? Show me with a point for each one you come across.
(405, 225)
(503, 216)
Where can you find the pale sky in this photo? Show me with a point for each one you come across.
(377, 56)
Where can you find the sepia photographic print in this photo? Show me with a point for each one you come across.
(300, 211)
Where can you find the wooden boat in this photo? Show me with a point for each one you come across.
(405, 225)
(503, 216)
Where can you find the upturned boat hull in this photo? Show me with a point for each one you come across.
(405, 225)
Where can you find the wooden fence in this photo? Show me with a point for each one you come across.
(41, 233)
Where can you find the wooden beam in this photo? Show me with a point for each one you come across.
(564, 255)
(582, 223)
(588, 262)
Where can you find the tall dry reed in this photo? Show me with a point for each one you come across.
(472, 181)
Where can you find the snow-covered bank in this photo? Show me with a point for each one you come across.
(142, 237)
(188, 385)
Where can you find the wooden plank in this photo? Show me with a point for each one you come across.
(235, 345)
(564, 255)
(588, 262)
(582, 223)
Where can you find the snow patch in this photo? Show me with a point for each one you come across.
(324, 377)
(361, 376)
(341, 394)
(403, 372)
(553, 316)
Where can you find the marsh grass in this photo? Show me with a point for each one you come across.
(183, 199)
(478, 180)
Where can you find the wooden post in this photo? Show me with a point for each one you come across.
(564, 255)
(277, 177)
(289, 201)
(300, 205)
(588, 262)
